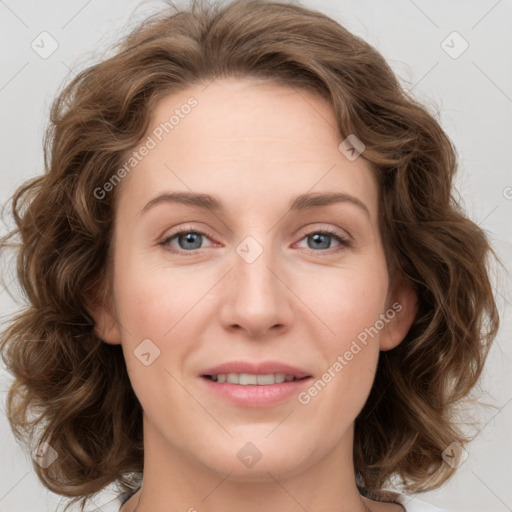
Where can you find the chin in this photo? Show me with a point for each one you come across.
(259, 472)
(252, 461)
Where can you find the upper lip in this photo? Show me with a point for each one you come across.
(261, 368)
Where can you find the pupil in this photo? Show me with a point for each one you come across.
(318, 240)
(190, 238)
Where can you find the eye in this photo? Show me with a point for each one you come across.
(188, 240)
(321, 239)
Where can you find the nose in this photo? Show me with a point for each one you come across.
(256, 298)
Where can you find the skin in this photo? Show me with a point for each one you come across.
(255, 146)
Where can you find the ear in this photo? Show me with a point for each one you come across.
(403, 301)
(105, 319)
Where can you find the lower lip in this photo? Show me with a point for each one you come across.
(253, 395)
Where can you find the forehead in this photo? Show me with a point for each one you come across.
(246, 141)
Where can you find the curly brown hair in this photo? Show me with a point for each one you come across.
(77, 385)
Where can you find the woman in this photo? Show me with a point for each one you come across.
(250, 285)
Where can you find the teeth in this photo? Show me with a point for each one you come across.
(263, 380)
(245, 379)
(232, 378)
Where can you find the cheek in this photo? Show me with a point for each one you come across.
(359, 308)
(350, 306)
(153, 301)
(348, 302)
(153, 316)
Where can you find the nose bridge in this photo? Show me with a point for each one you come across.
(254, 278)
(257, 297)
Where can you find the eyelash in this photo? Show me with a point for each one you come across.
(344, 242)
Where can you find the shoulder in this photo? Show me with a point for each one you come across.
(113, 505)
(412, 504)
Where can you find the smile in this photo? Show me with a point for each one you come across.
(246, 379)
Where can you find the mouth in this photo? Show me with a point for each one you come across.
(249, 384)
(255, 383)
(251, 379)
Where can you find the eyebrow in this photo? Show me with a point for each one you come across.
(299, 203)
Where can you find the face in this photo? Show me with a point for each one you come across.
(260, 277)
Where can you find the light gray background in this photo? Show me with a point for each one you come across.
(473, 93)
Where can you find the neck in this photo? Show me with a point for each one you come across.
(323, 483)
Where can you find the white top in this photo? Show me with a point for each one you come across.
(409, 503)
